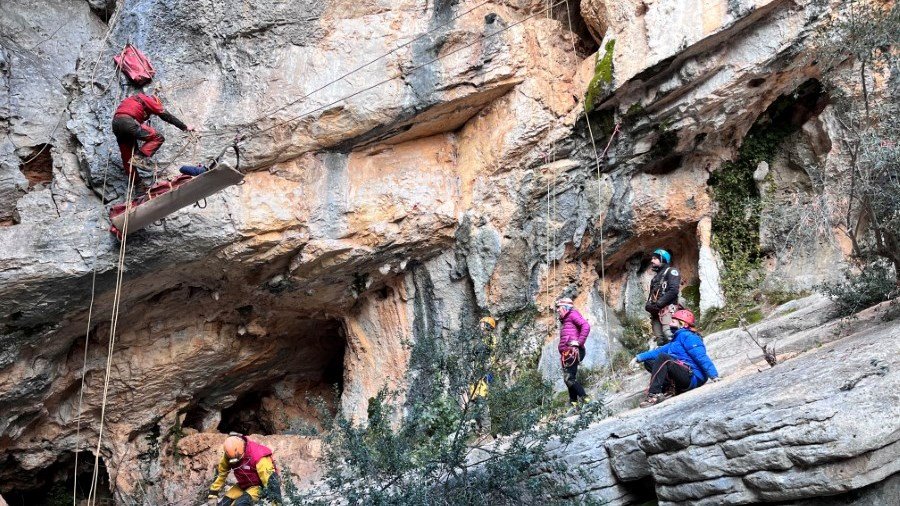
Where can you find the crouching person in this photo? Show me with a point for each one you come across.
(255, 472)
(678, 366)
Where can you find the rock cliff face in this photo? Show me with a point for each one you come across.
(821, 424)
(456, 174)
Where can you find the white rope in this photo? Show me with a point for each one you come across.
(587, 121)
(87, 335)
(87, 332)
(117, 297)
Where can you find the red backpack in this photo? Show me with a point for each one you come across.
(135, 65)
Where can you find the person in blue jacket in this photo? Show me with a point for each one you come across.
(678, 366)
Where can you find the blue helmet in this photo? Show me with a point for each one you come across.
(663, 255)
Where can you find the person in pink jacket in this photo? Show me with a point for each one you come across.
(573, 332)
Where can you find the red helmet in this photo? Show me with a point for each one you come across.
(685, 316)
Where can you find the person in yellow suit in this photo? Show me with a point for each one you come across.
(255, 472)
(478, 392)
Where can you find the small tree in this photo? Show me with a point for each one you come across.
(871, 121)
(428, 448)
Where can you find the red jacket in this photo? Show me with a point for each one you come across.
(140, 107)
(245, 472)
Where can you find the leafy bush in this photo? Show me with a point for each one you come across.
(635, 332)
(873, 284)
(427, 448)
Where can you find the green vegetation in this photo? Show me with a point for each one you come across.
(871, 126)
(735, 226)
(174, 435)
(635, 110)
(601, 83)
(634, 335)
(691, 295)
(423, 446)
(634, 340)
(873, 284)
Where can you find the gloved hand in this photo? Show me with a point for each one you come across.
(574, 343)
(634, 364)
(190, 128)
(715, 379)
(212, 500)
(651, 308)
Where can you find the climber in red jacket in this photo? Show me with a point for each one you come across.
(129, 127)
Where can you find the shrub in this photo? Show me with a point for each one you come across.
(635, 332)
(428, 450)
(871, 285)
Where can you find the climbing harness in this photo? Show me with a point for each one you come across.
(673, 361)
(570, 356)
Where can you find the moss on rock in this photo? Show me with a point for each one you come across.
(603, 77)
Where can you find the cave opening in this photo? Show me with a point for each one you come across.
(569, 14)
(307, 377)
(54, 484)
(642, 491)
(37, 167)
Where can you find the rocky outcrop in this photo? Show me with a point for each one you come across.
(820, 424)
(465, 181)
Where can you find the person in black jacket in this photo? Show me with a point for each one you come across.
(663, 299)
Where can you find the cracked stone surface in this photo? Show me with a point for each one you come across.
(820, 424)
(461, 186)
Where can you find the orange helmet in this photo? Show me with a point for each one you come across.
(234, 449)
(684, 315)
(488, 321)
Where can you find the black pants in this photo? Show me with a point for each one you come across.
(244, 500)
(570, 376)
(666, 372)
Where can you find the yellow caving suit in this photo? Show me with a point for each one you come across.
(264, 468)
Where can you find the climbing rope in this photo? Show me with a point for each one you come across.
(193, 140)
(87, 332)
(110, 27)
(241, 138)
(114, 321)
(247, 136)
(399, 76)
(599, 190)
(547, 241)
(370, 62)
(87, 335)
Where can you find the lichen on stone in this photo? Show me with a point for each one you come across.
(601, 83)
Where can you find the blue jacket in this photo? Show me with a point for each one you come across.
(687, 347)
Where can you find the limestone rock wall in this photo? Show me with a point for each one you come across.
(454, 176)
(820, 424)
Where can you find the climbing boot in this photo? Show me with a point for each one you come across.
(652, 400)
(140, 162)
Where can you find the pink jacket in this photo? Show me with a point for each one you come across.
(573, 327)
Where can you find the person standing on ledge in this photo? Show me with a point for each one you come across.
(573, 333)
(663, 299)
